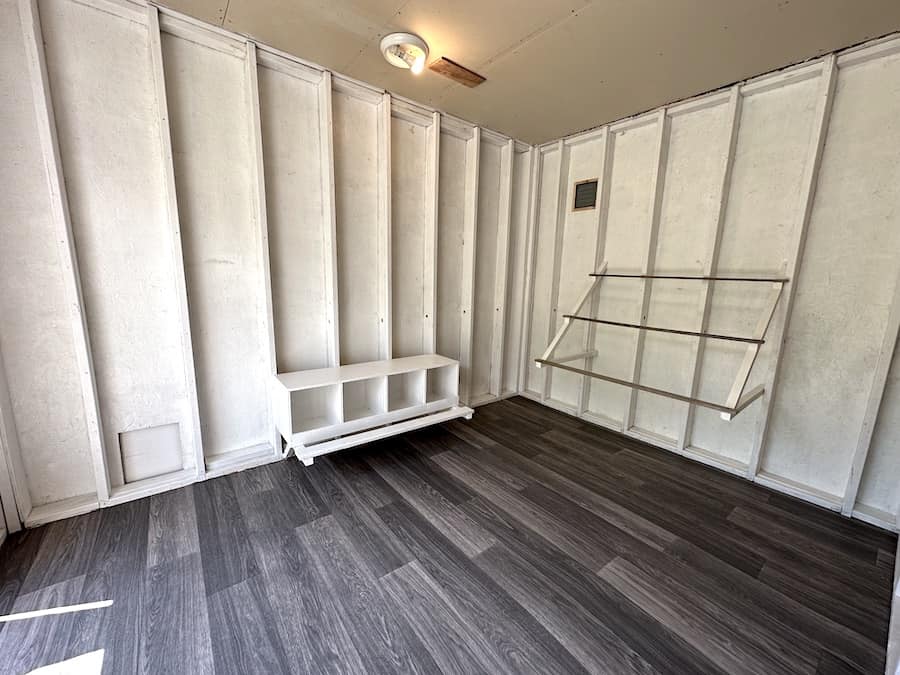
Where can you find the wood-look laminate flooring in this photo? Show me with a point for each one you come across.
(523, 541)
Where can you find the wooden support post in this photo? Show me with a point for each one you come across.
(329, 224)
(534, 172)
(657, 185)
(14, 493)
(467, 283)
(873, 405)
(586, 295)
(65, 240)
(712, 263)
(432, 185)
(825, 100)
(504, 215)
(590, 332)
(384, 228)
(559, 233)
(762, 326)
(258, 190)
(190, 377)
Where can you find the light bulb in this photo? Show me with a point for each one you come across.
(405, 50)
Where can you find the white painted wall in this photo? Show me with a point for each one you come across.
(189, 218)
(743, 159)
(35, 330)
(111, 156)
(487, 228)
(208, 104)
(451, 203)
(290, 108)
(408, 223)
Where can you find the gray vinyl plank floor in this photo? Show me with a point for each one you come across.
(522, 541)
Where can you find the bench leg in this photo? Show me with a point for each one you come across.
(307, 461)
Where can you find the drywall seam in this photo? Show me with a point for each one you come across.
(534, 169)
(165, 135)
(559, 228)
(473, 154)
(432, 190)
(384, 227)
(501, 265)
(258, 193)
(326, 146)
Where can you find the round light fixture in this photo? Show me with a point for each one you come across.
(405, 50)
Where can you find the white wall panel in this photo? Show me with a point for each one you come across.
(627, 233)
(36, 328)
(485, 267)
(451, 211)
(356, 194)
(579, 245)
(207, 96)
(845, 286)
(840, 323)
(544, 236)
(693, 178)
(763, 207)
(878, 489)
(289, 108)
(515, 289)
(171, 250)
(109, 142)
(408, 221)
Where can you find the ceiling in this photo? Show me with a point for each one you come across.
(554, 67)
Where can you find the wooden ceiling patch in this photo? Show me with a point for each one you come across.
(456, 72)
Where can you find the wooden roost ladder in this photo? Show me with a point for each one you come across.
(737, 399)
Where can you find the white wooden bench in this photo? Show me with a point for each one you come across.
(328, 409)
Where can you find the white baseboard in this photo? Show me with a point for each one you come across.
(799, 490)
(876, 517)
(240, 460)
(65, 508)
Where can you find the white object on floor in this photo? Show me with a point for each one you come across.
(328, 409)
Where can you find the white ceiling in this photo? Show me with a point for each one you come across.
(554, 67)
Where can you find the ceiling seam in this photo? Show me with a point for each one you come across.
(225, 13)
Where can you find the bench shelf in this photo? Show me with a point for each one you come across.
(328, 409)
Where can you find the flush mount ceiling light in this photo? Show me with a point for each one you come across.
(405, 50)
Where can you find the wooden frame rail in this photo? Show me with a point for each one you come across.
(746, 400)
(688, 277)
(674, 331)
(738, 397)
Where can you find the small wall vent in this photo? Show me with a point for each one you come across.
(585, 195)
(150, 452)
